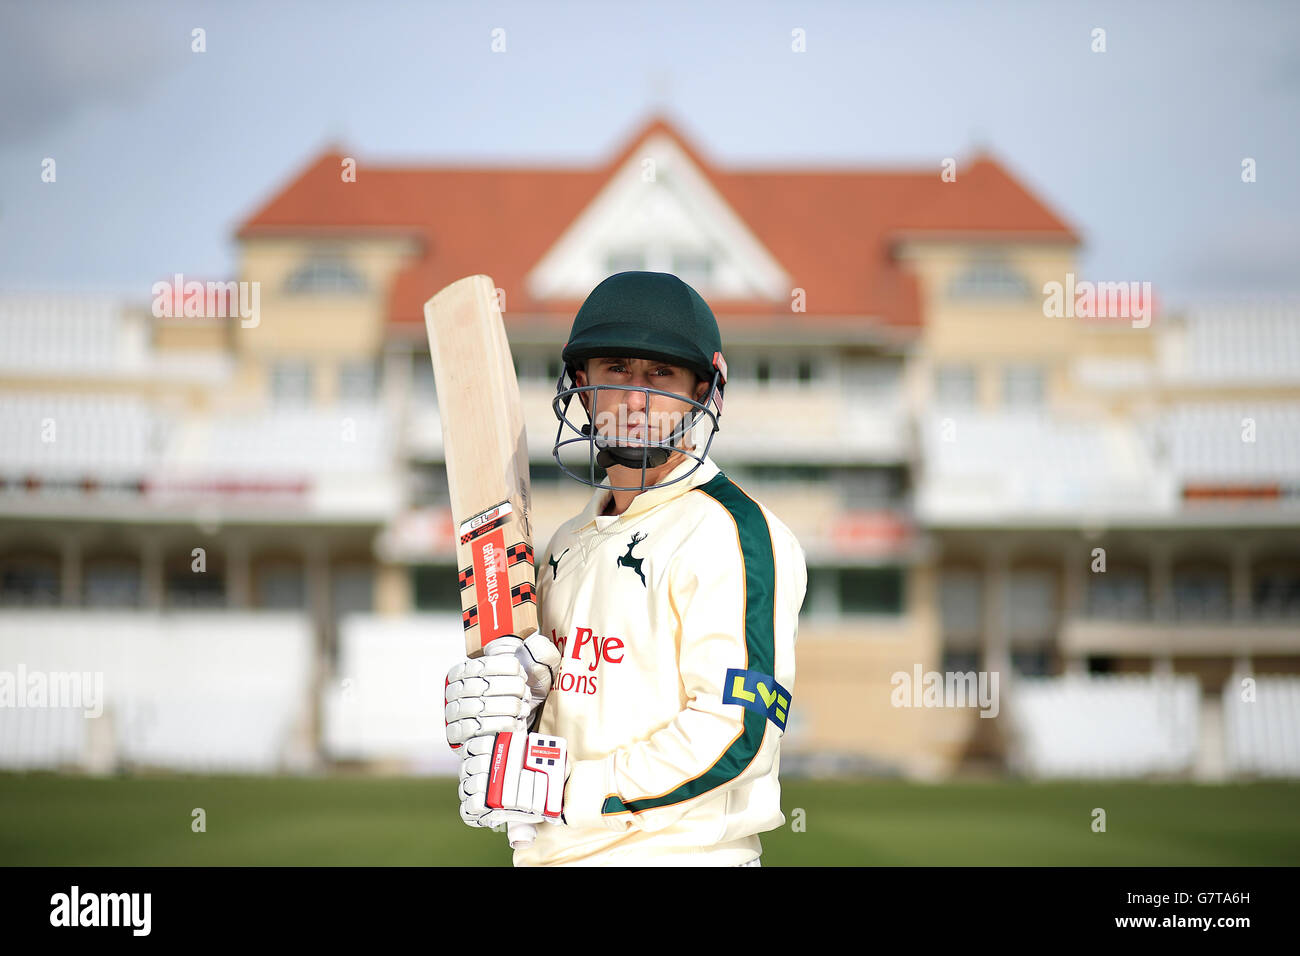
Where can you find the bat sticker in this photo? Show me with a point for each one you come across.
(494, 517)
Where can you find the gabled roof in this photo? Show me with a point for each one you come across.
(833, 231)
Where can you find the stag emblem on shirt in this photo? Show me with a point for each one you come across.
(627, 561)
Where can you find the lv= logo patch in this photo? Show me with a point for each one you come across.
(757, 692)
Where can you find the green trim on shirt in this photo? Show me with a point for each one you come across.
(760, 645)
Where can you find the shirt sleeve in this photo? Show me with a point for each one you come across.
(736, 592)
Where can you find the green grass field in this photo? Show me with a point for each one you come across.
(76, 821)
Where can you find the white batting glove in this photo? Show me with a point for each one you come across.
(492, 693)
(513, 778)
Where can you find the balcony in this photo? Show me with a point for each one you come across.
(1085, 636)
(776, 424)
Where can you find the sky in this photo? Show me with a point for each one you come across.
(160, 152)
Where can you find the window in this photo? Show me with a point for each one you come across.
(112, 582)
(351, 589)
(871, 378)
(778, 474)
(1118, 593)
(954, 385)
(429, 486)
(1277, 592)
(822, 596)
(537, 367)
(871, 590)
(1031, 603)
(546, 473)
(528, 366)
(1022, 386)
(630, 260)
(290, 382)
(960, 603)
(693, 268)
(871, 487)
(1032, 663)
(359, 380)
(989, 280)
(280, 586)
(960, 662)
(325, 275)
(1101, 665)
(785, 370)
(1201, 594)
(436, 587)
(29, 581)
(422, 384)
(740, 367)
(192, 590)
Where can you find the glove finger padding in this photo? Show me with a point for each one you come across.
(486, 667)
(485, 707)
(485, 695)
(479, 747)
(471, 717)
(512, 686)
(462, 731)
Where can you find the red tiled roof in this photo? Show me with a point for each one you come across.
(833, 231)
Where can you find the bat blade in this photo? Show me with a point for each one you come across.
(486, 451)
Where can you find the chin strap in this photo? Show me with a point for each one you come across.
(631, 457)
(627, 457)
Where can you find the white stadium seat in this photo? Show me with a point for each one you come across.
(1104, 725)
(1263, 734)
(219, 691)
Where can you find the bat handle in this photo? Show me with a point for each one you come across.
(521, 835)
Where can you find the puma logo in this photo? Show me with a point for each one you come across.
(555, 563)
(627, 561)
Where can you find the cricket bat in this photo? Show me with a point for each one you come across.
(486, 451)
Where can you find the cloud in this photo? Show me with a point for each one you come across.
(60, 58)
(1260, 254)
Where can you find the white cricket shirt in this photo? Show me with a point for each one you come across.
(677, 622)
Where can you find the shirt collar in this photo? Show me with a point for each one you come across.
(655, 496)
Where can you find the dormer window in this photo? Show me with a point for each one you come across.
(325, 275)
(693, 268)
(989, 279)
(629, 260)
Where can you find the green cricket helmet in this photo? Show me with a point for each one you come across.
(650, 315)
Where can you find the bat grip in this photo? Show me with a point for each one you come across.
(521, 835)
